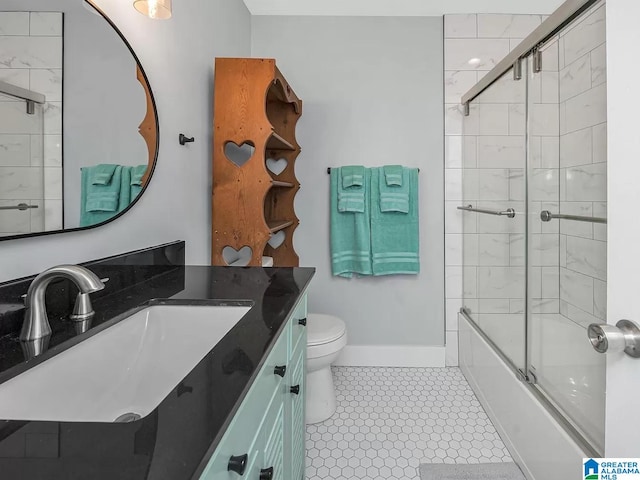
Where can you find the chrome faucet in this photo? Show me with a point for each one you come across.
(36, 324)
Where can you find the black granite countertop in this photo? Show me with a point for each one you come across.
(176, 440)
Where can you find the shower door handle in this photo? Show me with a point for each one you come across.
(509, 212)
(623, 337)
(547, 216)
(20, 206)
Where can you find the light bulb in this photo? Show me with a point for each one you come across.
(156, 9)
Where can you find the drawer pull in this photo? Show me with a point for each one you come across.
(280, 370)
(295, 389)
(303, 322)
(266, 473)
(238, 464)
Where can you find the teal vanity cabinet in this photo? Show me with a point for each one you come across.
(265, 439)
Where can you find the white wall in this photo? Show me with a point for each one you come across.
(372, 95)
(402, 8)
(178, 58)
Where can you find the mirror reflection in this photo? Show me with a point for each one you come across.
(77, 123)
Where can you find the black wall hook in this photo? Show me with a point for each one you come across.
(182, 139)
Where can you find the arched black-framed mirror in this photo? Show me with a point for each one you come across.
(79, 130)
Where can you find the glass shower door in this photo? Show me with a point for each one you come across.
(567, 176)
(494, 241)
(22, 173)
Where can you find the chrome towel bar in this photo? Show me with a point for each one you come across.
(547, 216)
(509, 212)
(20, 206)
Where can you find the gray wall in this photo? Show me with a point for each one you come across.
(103, 102)
(178, 58)
(373, 93)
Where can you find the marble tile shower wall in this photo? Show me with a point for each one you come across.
(583, 168)
(474, 44)
(30, 162)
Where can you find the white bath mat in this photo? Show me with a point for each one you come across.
(478, 471)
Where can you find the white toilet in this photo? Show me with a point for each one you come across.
(326, 337)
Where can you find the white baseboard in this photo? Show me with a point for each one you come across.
(391, 356)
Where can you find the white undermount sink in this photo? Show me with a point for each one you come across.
(128, 368)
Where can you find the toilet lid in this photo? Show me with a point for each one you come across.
(323, 328)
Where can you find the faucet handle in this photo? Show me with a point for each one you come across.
(83, 309)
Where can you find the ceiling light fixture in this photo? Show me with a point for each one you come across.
(156, 9)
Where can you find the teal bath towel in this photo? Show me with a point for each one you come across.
(100, 202)
(125, 189)
(394, 235)
(350, 232)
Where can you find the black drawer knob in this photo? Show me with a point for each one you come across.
(280, 370)
(303, 322)
(238, 464)
(295, 389)
(266, 473)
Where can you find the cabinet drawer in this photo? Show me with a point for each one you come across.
(297, 330)
(241, 436)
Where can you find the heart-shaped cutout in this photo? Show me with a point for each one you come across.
(239, 154)
(277, 239)
(237, 258)
(277, 166)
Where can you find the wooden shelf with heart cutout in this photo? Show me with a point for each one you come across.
(254, 155)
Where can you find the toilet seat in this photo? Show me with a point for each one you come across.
(323, 329)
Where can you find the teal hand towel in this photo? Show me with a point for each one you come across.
(137, 173)
(350, 233)
(394, 198)
(97, 201)
(102, 174)
(395, 246)
(351, 189)
(351, 202)
(352, 176)
(393, 175)
(102, 202)
(135, 191)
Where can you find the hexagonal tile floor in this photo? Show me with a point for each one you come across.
(390, 420)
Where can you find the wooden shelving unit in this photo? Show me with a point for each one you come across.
(255, 105)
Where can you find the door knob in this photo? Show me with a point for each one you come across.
(623, 337)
